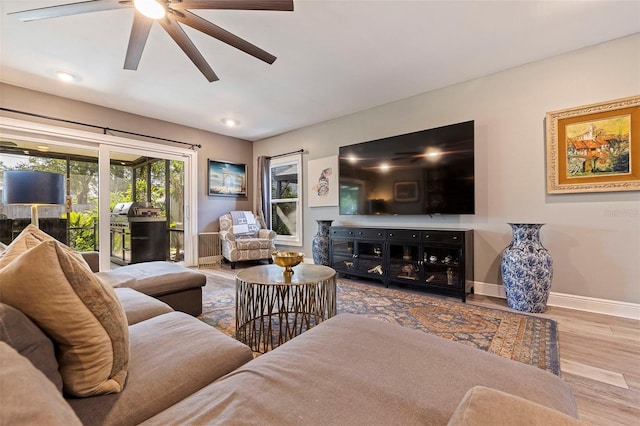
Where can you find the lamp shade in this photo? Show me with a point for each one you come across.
(32, 187)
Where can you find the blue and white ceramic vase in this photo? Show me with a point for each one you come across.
(320, 243)
(527, 269)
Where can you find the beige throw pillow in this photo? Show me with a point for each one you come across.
(30, 237)
(24, 336)
(28, 397)
(485, 406)
(57, 290)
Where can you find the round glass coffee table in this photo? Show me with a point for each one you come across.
(272, 307)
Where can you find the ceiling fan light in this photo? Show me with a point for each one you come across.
(150, 8)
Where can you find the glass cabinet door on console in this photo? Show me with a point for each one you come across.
(445, 255)
(358, 251)
(430, 259)
(441, 265)
(369, 249)
(404, 255)
(370, 260)
(343, 259)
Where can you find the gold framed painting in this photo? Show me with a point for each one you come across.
(594, 148)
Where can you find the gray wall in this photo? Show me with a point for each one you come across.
(593, 238)
(214, 146)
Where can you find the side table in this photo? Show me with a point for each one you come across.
(272, 308)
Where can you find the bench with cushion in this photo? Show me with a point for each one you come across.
(174, 284)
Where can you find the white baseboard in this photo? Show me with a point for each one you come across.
(571, 301)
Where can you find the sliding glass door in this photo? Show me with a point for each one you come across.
(103, 171)
(147, 208)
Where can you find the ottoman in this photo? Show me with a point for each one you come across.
(175, 285)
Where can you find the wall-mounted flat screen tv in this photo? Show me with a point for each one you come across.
(421, 173)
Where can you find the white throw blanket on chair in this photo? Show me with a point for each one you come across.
(244, 223)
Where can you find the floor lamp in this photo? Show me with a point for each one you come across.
(32, 188)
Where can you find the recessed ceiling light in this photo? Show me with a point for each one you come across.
(43, 148)
(230, 122)
(66, 76)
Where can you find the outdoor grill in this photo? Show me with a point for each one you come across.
(138, 233)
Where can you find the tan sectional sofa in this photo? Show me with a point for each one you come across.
(349, 370)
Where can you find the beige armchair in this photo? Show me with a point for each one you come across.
(245, 237)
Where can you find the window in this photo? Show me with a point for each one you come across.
(285, 181)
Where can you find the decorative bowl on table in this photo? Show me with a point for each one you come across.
(287, 259)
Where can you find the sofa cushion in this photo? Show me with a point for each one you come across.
(57, 291)
(28, 397)
(172, 356)
(252, 243)
(92, 258)
(139, 307)
(352, 369)
(24, 336)
(154, 278)
(485, 406)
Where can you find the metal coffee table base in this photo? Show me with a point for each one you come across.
(269, 314)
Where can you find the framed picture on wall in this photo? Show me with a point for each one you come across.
(227, 179)
(323, 182)
(594, 148)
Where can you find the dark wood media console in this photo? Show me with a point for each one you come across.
(436, 260)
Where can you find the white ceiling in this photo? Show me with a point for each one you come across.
(334, 57)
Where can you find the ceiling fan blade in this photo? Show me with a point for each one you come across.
(137, 40)
(178, 35)
(69, 9)
(200, 24)
(280, 5)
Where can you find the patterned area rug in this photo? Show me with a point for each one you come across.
(524, 338)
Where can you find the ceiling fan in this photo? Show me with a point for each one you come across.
(168, 13)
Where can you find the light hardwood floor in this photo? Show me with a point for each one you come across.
(599, 358)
